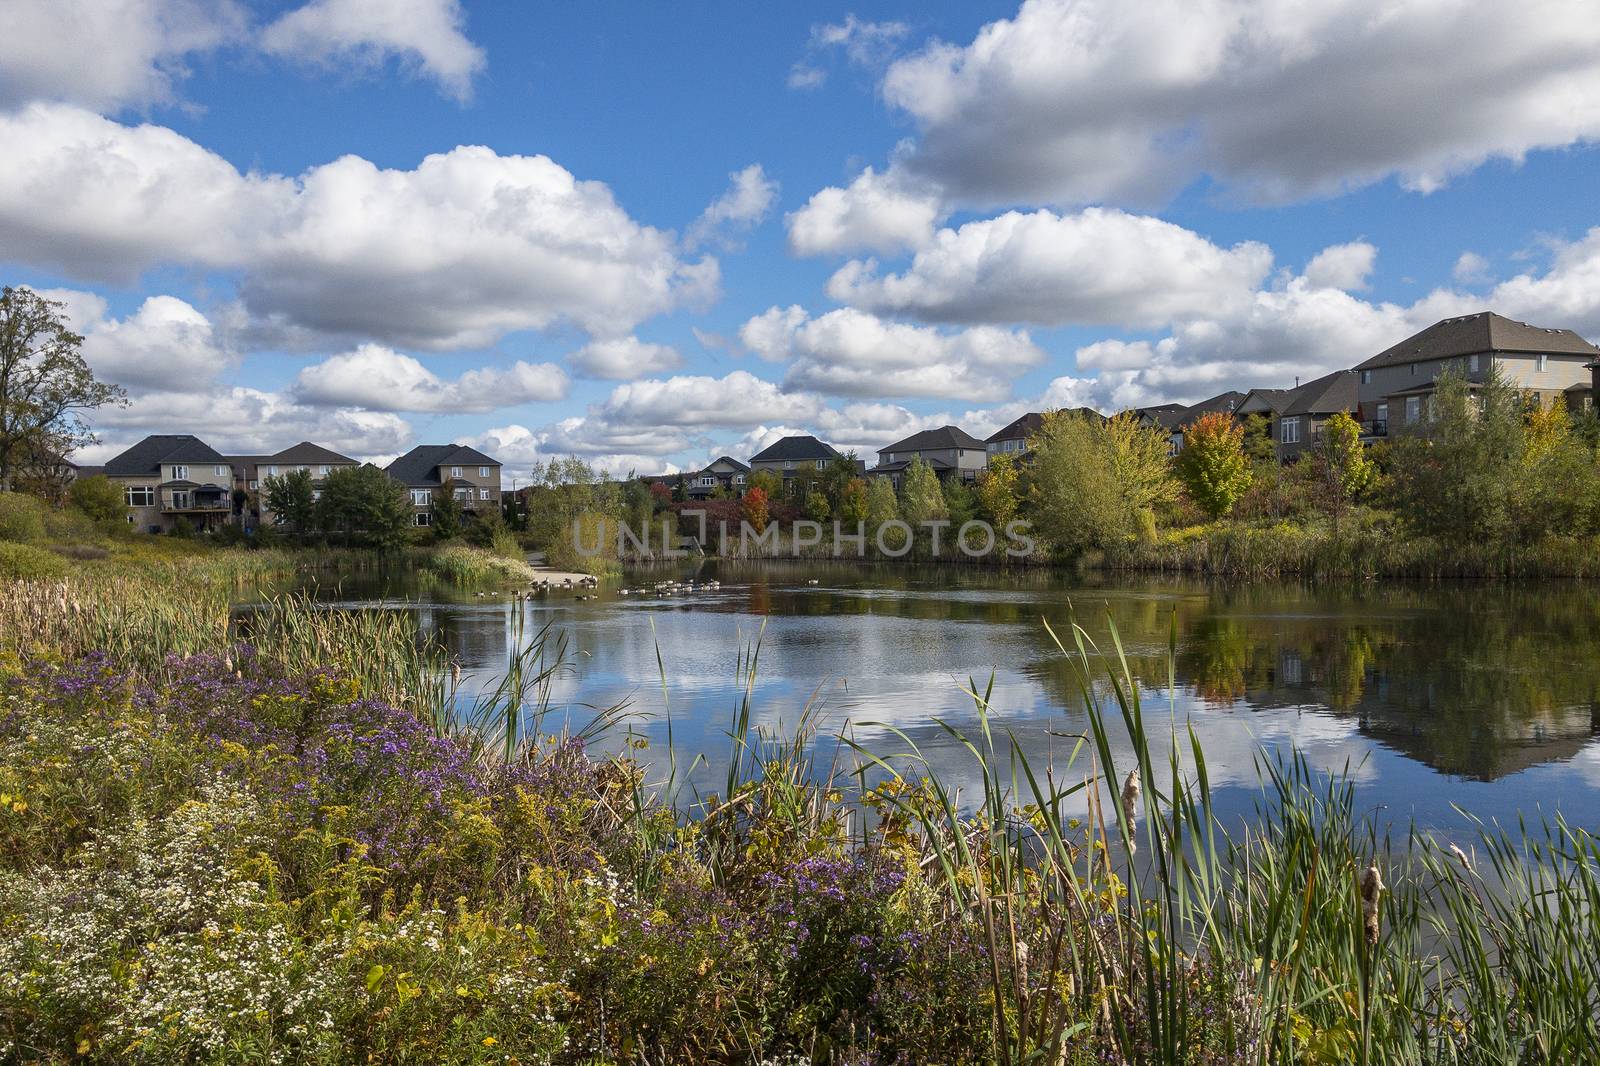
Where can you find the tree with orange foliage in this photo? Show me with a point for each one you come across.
(754, 507)
(1212, 464)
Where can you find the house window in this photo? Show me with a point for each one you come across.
(821, 463)
(322, 471)
(1413, 408)
(254, 485)
(1366, 377)
(1543, 359)
(455, 471)
(180, 499)
(140, 496)
(180, 473)
(424, 518)
(483, 471)
(738, 479)
(1412, 369)
(707, 480)
(1289, 430)
(316, 494)
(788, 464)
(1472, 363)
(221, 471)
(483, 494)
(464, 495)
(1383, 412)
(421, 497)
(272, 471)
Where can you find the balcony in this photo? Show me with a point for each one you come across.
(1375, 427)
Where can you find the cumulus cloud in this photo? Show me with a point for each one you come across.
(376, 378)
(424, 34)
(464, 248)
(876, 212)
(1099, 266)
(1078, 101)
(246, 421)
(1566, 295)
(624, 358)
(742, 206)
(852, 353)
(1470, 269)
(165, 344)
(693, 401)
(1342, 266)
(107, 55)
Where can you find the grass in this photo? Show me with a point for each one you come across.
(468, 566)
(1093, 909)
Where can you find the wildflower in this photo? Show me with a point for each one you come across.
(1371, 893)
(490, 1041)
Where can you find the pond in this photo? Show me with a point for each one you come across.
(1437, 699)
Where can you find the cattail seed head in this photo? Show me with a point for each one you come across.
(455, 675)
(1371, 895)
(1461, 857)
(1130, 796)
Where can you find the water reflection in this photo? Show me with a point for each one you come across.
(1485, 695)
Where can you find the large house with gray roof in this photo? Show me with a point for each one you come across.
(462, 473)
(794, 457)
(951, 451)
(250, 473)
(1551, 365)
(168, 477)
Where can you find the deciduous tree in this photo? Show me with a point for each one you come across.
(1212, 464)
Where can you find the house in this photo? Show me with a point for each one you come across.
(1175, 418)
(725, 473)
(465, 474)
(1012, 439)
(165, 478)
(1299, 425)
(251, 471)
(1550, 365)
(794, 457)
(950, 450)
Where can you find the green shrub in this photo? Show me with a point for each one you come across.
(18, 561)
(100, 498)
(21, 517)
(70, 526)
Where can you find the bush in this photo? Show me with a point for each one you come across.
(20, 561)
(21, 518)
(70, 526)
(99, 498)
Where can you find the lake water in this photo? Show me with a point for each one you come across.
(1484, 696)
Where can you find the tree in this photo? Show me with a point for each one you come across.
(1096, 483)
(753, 508)
(960, 503)
(292, 501)
(768, 482)
(1346, 470)
(445, 516)
(366, 506)
(99, 498)
(1455, 472)
(1212, 464)
(835, 478)
(921, 498)
(44, 382)
(816, 507)
(853, 505)
(882, 506)
(997, 490)
(1258, 443)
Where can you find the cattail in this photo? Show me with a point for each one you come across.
(1130, 807)
(1371, 893)
(1461, 857)
(455, 675)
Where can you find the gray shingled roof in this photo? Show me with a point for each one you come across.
(1479, 333)
(1226, 402)
(307, 453)
(420, 466)
(145, 458)
(1326, 395)
(1275, 399)
(930, 440)
(797, 449)
(1020, 429)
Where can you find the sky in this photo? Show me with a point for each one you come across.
(651, 234)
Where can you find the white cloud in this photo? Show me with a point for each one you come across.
(376, 378)
(107, 54)
(742, 206)
(425, 34)
(1342, 266)
(1565, 296)
(738, 399)
(864, 44)
(625, 358)
(1470, 269)
(165, 344)
(1098, 266)
(1079, 101)
(245, 421)
(852, 353)
(468, 246)
(877, 212)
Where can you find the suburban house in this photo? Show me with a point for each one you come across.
(464, 474)
(1175, 422)
(1551, 365)
(725, 473)
(950, 450)
(793, 457)
(251, 471)
(1299, 425)
(1012, 439)
(167, 477)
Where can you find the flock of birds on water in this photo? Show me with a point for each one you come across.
(541, 586)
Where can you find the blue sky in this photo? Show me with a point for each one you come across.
(649, 234)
